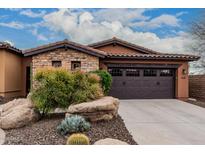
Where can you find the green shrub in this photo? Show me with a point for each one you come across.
(78, 139)
(86, 87)
(58, 88)
(106, 80)
(73, 124)
(53, 88)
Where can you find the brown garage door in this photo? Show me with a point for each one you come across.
(135, 83)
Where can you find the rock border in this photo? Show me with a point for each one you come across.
(2, 136)
(105, 108)
(110, 141)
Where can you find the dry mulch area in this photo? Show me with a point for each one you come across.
(111, 129)
(200, 103)
(44, 132)
(5, 100)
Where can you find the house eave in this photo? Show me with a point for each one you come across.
(66, 46)
(183, 58)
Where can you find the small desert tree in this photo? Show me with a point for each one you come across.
(198, 35)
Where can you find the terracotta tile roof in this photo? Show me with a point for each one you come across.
(4, 45)
(155, 56)
(124, 43)
(67, 44)
(148, 53)
(96, 52)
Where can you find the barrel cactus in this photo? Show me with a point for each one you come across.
(78, 139)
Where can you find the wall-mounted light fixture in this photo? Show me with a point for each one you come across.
(184, 71)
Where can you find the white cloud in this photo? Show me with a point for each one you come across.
(83, 28)
(181, 13)
(63, 20)
(3, 16)
(85, 17)
(122, 15)
(157, 22)
(13, 9)
(39, 36)
(13, 24)
(9, 42)
(32, 14)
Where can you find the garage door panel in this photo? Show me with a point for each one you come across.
(132, 84)
(142, 87)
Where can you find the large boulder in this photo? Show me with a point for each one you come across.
(17, 113)
(102, 109)
(110, 141)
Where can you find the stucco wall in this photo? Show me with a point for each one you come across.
(181, 80)
(12, 74)
(2, 68)
(88, 62)
(117, 49)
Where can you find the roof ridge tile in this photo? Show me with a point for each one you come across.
(64, 42)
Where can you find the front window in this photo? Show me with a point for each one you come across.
(56, 63)
(75, 65)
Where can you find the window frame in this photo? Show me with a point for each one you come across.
(153, 73)
(169, 74)
(73, 68)
(115, 73)
(58, 62)
(132, 72)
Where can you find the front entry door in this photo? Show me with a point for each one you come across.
(28, 79)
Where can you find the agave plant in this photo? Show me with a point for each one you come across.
(73, 124)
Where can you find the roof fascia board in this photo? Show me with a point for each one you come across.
(144, 65)
(121, 43)
(39, 51)
(153, 58)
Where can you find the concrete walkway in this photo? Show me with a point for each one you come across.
(2, 136)
(164, 121)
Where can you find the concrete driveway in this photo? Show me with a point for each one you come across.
(166, 121)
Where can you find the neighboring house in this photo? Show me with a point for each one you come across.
(137, 72)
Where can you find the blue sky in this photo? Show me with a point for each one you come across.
(160, 29)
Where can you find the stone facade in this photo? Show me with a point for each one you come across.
(197, 87)
(88, 62)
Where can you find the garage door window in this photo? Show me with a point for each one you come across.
(150, 72)
(115, 71)
(166, 72)
(132, 72)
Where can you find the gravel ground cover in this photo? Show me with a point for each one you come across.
(44, 132)
(5, 100)
(200, 103)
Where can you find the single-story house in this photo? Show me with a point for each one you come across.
(138, 72)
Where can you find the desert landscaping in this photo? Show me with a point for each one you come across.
(28, 121)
